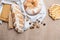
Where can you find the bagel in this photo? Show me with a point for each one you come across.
(32, 7)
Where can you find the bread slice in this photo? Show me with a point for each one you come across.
(5, 12)
(54, 11)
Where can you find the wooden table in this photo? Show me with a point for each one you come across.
(49, 32)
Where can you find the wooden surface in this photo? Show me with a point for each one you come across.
(49, 32)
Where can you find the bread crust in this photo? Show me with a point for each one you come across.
(32, 7)
(54, 11)
(5, 12)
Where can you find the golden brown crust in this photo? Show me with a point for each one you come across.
(10, 21)
(3, 19)
(5, 12)
(54, 11)
(30, 3)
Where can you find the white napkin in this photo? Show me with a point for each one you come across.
(0, 12)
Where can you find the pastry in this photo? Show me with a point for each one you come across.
(5, 12)
(54, 11)
(32, 7)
